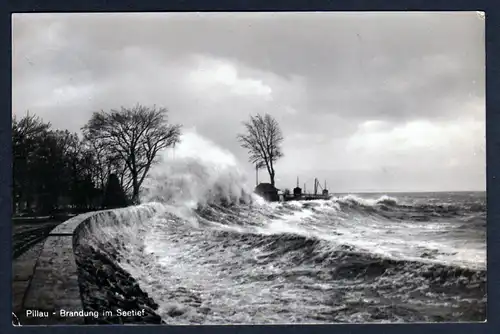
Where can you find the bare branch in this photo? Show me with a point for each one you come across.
(263, 140)
(135, 135)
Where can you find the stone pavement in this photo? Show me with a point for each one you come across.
(45, 278)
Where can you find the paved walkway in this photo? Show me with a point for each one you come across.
(28, 238)
(23, 268)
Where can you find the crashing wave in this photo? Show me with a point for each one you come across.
(203, 241)
(193, 183)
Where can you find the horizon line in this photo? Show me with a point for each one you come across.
(397, 191)
(410, 191)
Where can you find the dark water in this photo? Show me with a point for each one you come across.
(354, 258)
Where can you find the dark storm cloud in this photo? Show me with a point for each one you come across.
(362, 87)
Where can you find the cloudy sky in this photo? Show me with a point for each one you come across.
(367, 101)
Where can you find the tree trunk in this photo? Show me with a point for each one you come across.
(271, 172)
(135, 181)
(15, 200)
(135, 194)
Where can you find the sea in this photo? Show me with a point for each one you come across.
(214, 253)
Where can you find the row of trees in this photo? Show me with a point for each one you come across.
(105, 167)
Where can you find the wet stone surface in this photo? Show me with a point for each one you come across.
(109, 290)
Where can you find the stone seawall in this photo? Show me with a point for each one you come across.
(71, 275)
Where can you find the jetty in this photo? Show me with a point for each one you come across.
(299, 195)
(272, 194)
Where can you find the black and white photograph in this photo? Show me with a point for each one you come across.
(248, 168)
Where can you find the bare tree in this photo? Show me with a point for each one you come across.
(27, 134)
(107, 163)
(136, 135)
(27, 127)
(263, 139)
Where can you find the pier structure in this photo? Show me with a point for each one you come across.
(297, 191)
(272, 194)
(316, 194)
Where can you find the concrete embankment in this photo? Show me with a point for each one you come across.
(75, 283)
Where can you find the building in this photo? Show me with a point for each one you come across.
(267, 191)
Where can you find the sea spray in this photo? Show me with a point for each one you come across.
(190, 182)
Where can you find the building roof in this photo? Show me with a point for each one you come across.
(265, 187)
